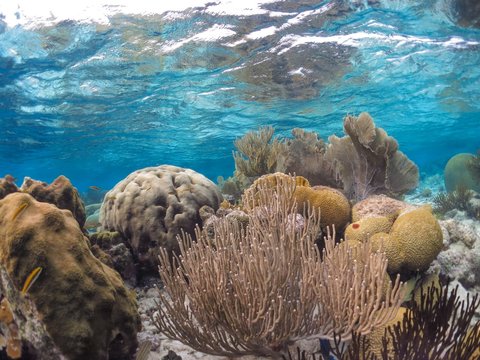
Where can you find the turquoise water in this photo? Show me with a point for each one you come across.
(96, 97)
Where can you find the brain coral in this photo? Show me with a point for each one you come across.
(151, 206)
(378, 205)
(84, 304)
(458, 172)
(334, 206)
(362, 229)
(413, 242)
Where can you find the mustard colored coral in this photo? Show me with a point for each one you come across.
(84, 304)
(413, 242)
(376, 336)
(334, 206)
(363, 229)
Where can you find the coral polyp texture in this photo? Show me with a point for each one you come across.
(83, 304)
(151, 206)
(333, 205)
(413, 242)
(60, 193)
(379, 206)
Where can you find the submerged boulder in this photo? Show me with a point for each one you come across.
(151, 206)
(46, 265)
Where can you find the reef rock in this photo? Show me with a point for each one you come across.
(83, 304)
(151, 206)
(60, 193)
(115, 253)
(460, 259)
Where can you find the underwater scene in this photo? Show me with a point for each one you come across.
(255, 179)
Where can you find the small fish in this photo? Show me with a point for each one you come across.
(95, 188)
(19, 210)
(31, 278)
(144, 350)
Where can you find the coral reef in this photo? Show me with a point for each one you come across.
(305, 156)
(257, 154)
(60, 193)
(458, 199)
(460, 172)
(460, 260)
(254, 290)
(334, 207)
(367, 161)
(7, 186)
(364, 162)
(363, 229)
(83, 304)
(151, 206)
(118, 255)
(379, 205)
(413, 242)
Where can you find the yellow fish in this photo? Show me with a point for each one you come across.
(31, 278)
(19, 210)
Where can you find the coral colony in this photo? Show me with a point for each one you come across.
(308, 251)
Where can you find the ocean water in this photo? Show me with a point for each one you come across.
(97, 90)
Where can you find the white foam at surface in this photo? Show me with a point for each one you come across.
(32, 13)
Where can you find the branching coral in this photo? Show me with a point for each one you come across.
(437, 327)
(257, 154)
(458, 199)
(305, 156)
(254, 290)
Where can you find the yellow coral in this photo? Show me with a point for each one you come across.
(361, 230)
(413, 242)
(271, 181)
(375, 337)
(334, 206)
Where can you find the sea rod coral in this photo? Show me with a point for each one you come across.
(255, 290)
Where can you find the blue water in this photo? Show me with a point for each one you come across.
(97, 99)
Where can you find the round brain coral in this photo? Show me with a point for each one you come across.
(458, 172)
(363, 229)
(413, 242)
(151, 206)
(334, 206)
(378, 205)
